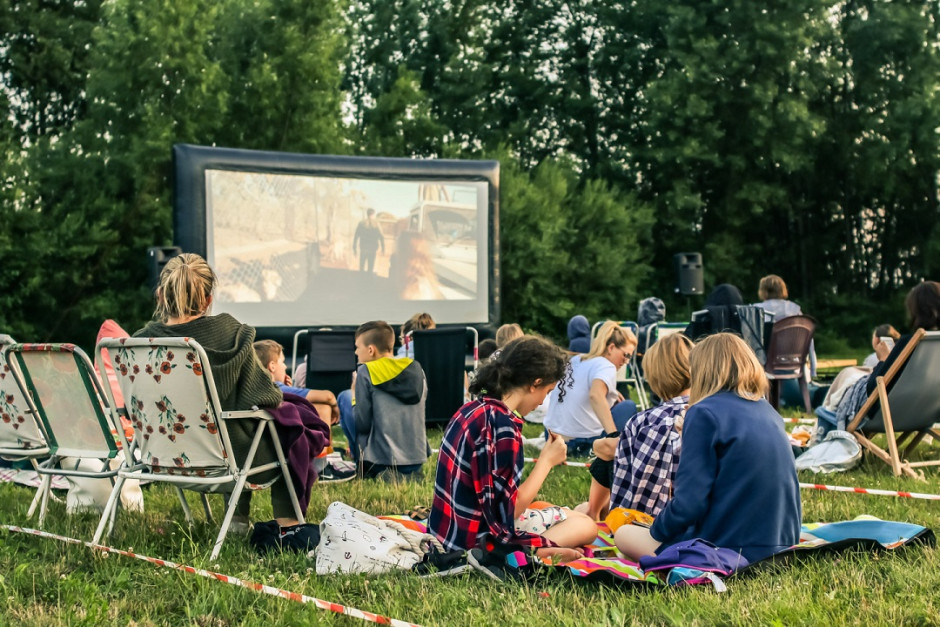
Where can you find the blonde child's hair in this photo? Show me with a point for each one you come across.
(772, 287)
(724, 362)
(666, 366)
(507, 333)
(185, 287)
(610, 333)
(267, 351)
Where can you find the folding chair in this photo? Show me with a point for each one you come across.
(182, 431)
(909, 409)
(629, 374)
(21, 435)
(60, 386)
(442, 354)
(331, 359)
(786, 356)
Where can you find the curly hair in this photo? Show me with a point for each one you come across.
(520, 363)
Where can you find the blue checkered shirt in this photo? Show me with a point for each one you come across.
(647, 458)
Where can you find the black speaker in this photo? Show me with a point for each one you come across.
(157, 256)
(689, 277)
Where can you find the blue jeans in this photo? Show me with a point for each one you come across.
(621, 413)
(347, 421)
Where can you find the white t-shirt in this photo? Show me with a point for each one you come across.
(574, 417)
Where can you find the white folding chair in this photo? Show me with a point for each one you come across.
(182, 433)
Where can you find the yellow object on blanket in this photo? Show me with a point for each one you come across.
(620, 516)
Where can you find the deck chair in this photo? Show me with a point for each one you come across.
(21, 434)
(442, 354)
(629, 374)
(910, 409)
(183, 434)
(60, 386)
(786, 356)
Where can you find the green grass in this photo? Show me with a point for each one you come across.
(44, 582)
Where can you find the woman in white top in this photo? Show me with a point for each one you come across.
(585, 413)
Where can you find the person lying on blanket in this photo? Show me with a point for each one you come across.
(478, 489)
(637, 469)
(736, 484)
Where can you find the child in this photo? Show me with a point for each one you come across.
(271, 356)
(736, 485)
(388, 396)
(647, 454)
(507, 333)
(478, 489)
(417, 322)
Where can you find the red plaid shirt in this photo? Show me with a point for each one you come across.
(478, 475)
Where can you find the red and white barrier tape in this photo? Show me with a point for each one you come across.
(800, 421)
(840, 488)
(278, 592)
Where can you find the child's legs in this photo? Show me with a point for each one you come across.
(348, 422)
(635, 541)
(576, 530)
(598, 500)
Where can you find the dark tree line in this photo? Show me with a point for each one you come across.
(795, 137)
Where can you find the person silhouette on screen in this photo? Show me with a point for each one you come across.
(368, 239)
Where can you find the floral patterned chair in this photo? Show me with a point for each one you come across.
(58, 385)
(181, 434)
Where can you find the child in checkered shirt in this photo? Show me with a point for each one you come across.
(479, 489)
(636, 470)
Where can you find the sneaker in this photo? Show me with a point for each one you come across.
(436, 564)
(240, 525)
(269, 536)
(338, 471)
(513, 567)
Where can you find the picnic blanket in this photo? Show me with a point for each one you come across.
(31, 478)
(601, 563)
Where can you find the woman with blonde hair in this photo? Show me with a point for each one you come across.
(184, 296)
(585, 413)
(736, 484)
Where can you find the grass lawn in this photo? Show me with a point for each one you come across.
(44, 582)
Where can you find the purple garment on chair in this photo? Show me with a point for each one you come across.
(303, 436)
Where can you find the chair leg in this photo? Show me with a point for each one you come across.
(804, 388)
(44, 501)
(285, 474)
(229, 513)
(775, 394)
(39, 492)
(889, 427)
(110, 511)
(186, 511)
(207, 507)
(913, 444)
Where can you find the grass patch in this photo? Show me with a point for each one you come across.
(43, 582)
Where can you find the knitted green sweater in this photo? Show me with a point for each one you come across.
(240, 379)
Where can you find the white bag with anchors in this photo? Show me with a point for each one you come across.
(352, 541)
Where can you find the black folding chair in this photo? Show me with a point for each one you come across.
(331, 359)
(442, 354)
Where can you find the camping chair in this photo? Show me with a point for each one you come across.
(750, 322)
(442, 354)
(60, 386)
(21, 435)
(786, 356)
(331, 359)
(182, 431)
(629, 374)
(909, 409)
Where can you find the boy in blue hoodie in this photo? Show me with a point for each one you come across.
(388, 396)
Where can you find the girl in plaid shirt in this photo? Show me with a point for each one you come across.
(479, 489)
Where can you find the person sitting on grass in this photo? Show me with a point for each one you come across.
(417, 322)
(184, 296)
(271, 356)
(736, 484)
(636, 470)
(478, 490)
(507, 333)
(386, 432)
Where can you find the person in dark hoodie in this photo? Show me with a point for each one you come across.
(388, 396)
(579, 335)
(720, 306)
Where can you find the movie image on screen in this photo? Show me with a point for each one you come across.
(309, 247)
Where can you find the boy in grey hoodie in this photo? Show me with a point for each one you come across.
(388, 396)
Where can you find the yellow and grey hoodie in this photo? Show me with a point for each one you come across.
(389, 411)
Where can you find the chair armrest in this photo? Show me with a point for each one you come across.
(256, 413)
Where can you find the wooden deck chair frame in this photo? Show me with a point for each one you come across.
(631, 375)
(85, 431)
(225, 472)
(894, 421)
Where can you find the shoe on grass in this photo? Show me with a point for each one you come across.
(270, 536)
(337, 472)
